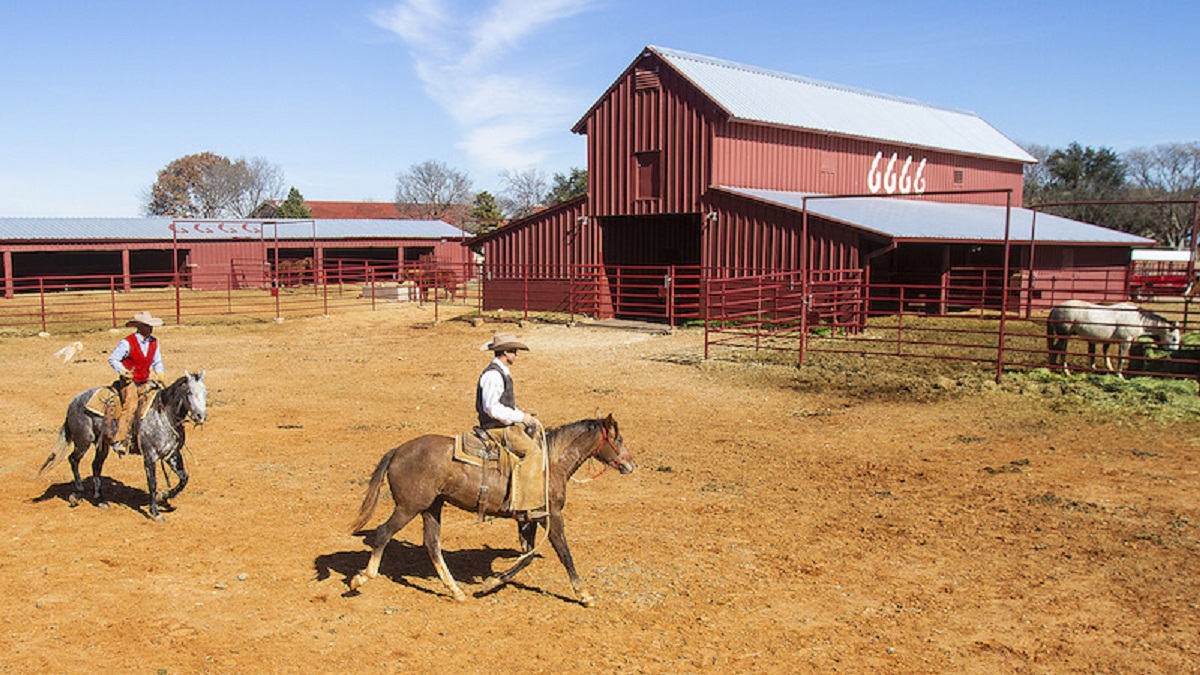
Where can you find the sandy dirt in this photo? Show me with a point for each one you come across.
(768, 527)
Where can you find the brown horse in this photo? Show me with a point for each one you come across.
(423, 476)
(293, 272)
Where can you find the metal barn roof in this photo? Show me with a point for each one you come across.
(907, 219)
(160, 228)
(764, 96)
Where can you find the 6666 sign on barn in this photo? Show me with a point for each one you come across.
(892, 179)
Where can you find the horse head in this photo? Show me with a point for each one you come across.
(196, 402)
(1173, 337)
(612, 451)
(1163, 330)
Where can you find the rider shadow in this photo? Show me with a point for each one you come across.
(115, 492)
(404, 560)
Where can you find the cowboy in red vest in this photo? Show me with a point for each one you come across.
(139, 366)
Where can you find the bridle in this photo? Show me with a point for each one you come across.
(622, 455)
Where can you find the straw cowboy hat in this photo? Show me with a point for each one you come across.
(144, 318)
(502, 342)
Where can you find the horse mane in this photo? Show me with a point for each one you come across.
(1157, 319)
(559, 436)
(171, 397)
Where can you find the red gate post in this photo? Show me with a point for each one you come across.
(371, 285)
(42, 294)
(112, 299)
(436, 275)
(571, 292)
(275, 290)
(324, 281)
(704, 298)
(900, 325)
(758, 313)
(670, 283)
(1004, 288)
(525, 292)
(178, 301)
(804, 280)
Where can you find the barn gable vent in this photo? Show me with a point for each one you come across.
(646, 79)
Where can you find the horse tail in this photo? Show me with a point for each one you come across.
(372, 496)
(60, 450)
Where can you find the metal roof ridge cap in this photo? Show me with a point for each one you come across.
(783, 75)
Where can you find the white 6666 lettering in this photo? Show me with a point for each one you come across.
(896, 176)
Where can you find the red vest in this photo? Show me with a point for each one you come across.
(137, 362)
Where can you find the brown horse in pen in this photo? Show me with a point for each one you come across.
(423, 476)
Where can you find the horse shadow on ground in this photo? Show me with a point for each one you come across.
(404, 560)
(115, 492)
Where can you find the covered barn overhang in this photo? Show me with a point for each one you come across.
(907, 220)
(928, 246)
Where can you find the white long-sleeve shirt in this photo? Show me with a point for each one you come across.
(122, 350)
(491, 384)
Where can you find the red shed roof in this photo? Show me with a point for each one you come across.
(353, 210)
(455, 214)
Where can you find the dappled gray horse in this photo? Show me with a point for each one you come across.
(159, 436)
(1121, 323)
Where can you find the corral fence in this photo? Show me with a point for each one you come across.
(972, 314)
(966, 317)
(249, 288)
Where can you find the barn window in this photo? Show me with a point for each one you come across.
(958, 176)
(648, 175)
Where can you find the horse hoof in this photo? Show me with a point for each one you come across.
(73, 500)
(358, 580)
(158, 518)
(586, 599)
(491, 583)
(102, 505)
(460, 597)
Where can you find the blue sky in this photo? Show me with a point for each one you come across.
(97, 97)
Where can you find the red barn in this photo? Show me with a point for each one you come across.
(700, 167)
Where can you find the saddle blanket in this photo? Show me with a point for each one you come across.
(470, 448)
(101, 399)
(106, 396)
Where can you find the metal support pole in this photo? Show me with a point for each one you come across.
(1004, 287)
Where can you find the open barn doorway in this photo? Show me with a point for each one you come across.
(651, 268)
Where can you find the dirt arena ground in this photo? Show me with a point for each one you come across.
(769, 527)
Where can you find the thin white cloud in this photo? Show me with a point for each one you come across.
(467, 55)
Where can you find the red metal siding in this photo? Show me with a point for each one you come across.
(651, 116)
(552, 240)
(753, 236)
(746, 155)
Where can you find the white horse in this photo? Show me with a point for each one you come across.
(1121, 323)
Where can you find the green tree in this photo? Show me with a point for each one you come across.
(1081, 174)
(564, 187)
(485, 214)
(293, 206)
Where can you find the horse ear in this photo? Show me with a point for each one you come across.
(202, 373)
(186, 373)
